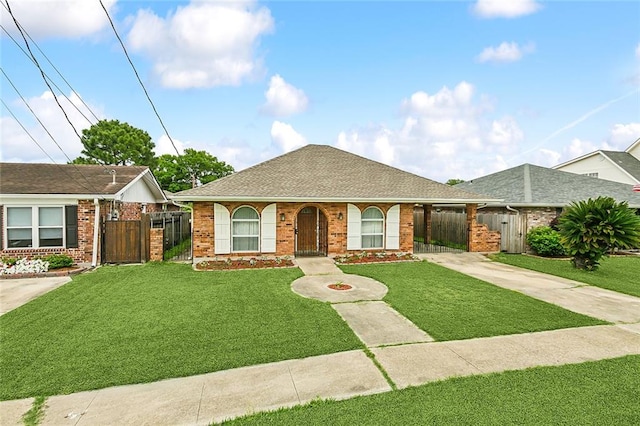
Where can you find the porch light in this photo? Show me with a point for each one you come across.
(340, 216)
(281, 217)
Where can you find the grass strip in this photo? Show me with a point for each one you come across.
(601, 392)
(449, 305)
(34, 416)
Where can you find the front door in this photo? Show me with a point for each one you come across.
(311, 232)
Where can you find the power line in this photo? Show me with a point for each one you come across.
(35, 60)
(54, 67)
(138, 76)
(44, 151)
(47, 130)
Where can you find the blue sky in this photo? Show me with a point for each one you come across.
(441, 89)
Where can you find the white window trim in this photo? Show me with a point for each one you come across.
(245, 236)
(362, 234)
(35, 227)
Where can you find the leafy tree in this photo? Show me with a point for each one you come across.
(454, 181)
(188, 170)
(111, 142)
(590, 229)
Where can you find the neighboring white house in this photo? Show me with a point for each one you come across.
(618, 166)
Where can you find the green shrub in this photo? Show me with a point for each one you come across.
(57, 261)
(9, 261)
(590, 229)
(545, 241)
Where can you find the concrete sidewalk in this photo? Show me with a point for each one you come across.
(571, 295)
(200, 400)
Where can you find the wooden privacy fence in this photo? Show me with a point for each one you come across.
(125, 241)
(449, 229)
(512, 227)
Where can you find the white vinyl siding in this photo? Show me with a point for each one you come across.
(372, 227)
(222, 229)
(245, 230)
(353, 228)
(393, 228)
(34, 227)
(268, 223)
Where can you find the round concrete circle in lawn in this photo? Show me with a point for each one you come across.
(317, 287)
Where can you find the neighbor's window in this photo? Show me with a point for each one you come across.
(245, 230)
(372, 228)
(21, 231)
(50, 226)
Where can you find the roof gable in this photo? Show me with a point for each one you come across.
(73, 179)
(529, 185)
(625, 161)
(325, 173)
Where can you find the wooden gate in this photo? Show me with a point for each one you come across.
(512, 227)
(311, 232)
(125, 241)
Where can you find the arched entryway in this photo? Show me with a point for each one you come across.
(311, 232)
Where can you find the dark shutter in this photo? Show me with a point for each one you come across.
(71, 225)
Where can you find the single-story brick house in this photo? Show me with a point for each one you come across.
(51, 208)
(541, 193)
(314, 201)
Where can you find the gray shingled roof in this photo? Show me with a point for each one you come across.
(529, 185)
(625, 161)
(324, 173)
(34, 178)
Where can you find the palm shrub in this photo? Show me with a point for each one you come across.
(589, 229)
(545, 241)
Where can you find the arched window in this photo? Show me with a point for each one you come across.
(245, 230)
(372, 228)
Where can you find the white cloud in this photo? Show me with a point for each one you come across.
(57, 18)
(17, 146)
(202, 44)
(505, 132)
(164, 146)
(505, 52)
(285, 137)
(505, 8)
(623, 135)
(446, 134)
(283, 99)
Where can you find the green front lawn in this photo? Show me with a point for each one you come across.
(617, 273)
(594, 393)
(135, 324)
(450, 306)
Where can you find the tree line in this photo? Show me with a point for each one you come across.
(110, 142)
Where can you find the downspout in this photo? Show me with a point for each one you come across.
(512, 209)
(96, 231)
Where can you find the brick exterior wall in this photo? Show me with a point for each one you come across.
(86, 215)
(156, 244)
(203, 226)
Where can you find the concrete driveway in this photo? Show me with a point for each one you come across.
(17, 292)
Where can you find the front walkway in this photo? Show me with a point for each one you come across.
(361, 306)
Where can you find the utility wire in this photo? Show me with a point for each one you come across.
(35, 60)
(47, 130)
(56, 69)
(43, 150)
(138, 76)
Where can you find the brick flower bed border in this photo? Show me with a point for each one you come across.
(243, 264)
(374, 257)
